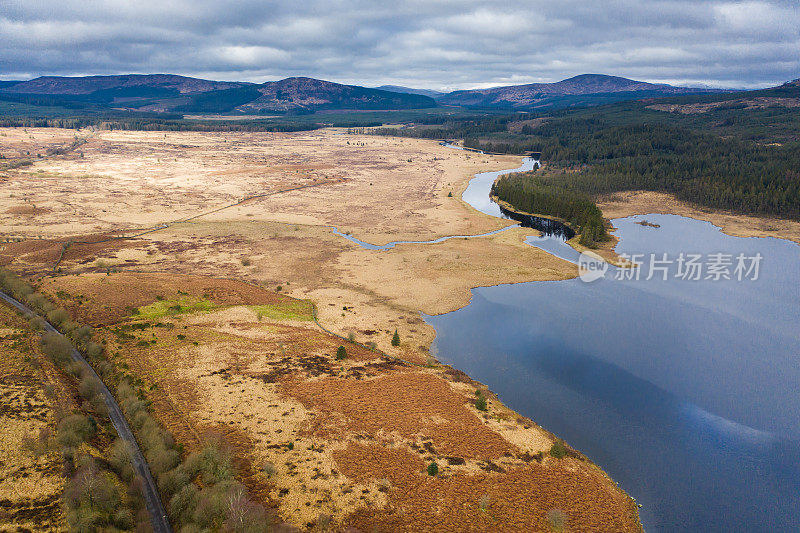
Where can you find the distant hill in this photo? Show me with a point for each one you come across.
(309, 94)
(9, 83)
(85, 85)
(586, 89)
(409, 90)
(171, 93)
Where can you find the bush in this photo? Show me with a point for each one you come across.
(212, 464)
(120, 459)
(40, 303)
(558, 450)
(92, 488)
(162, 460)
(433, 469)
(89, 387)
(212, 505)
(395, 339)
(480, 403)
(484, 502)
(341, 353)
(557, 519)
(57, 348)
(37, 323)
(74, 430)
(173, 481)
(269, 469)
(182, 505)
(57, 317)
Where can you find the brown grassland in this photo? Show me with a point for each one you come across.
(30, 482)
(215, 314)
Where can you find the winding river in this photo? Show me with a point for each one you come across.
(687, 392)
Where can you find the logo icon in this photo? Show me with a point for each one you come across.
(591, 266)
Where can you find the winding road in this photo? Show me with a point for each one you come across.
(158, 516)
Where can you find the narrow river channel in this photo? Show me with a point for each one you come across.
(685, 391)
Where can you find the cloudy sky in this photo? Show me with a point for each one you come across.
(421, 43)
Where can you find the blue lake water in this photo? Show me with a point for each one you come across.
(686, 392)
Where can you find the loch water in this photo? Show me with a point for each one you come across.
(687, 392)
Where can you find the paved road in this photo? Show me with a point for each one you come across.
(158, 516)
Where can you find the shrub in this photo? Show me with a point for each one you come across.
(73, 430)
(173, 481)
(269, 469)
(480, 403)
(557, 519)
(40, 303)
(558, 450)
(182, 505)
(58, 316)
(89, 387)
(57, 348)
(484, 502)
(433, 469)
(212, 463)
(324, 521)
(211, 507)
(162, 460)
(40, 445)
(395, 339)
(119, 458)
(93, 489)
(93, 350)
(37, 323)
(123, 519)
(341, 353)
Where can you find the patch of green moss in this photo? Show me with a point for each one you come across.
(162, 308)
(289, 310)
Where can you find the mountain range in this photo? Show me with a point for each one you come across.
(181, 94)
(585, 89)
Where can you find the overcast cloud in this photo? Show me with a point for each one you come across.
(428, 43)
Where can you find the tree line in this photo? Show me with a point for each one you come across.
(527, 192)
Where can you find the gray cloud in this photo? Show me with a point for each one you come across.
(431, 44)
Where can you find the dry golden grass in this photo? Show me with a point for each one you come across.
(30, 481)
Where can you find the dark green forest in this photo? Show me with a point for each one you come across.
(532, 192)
